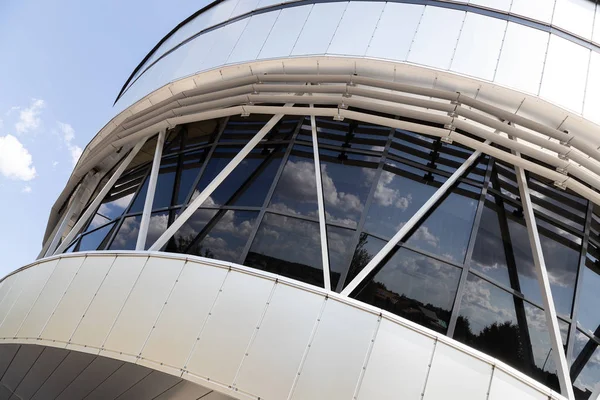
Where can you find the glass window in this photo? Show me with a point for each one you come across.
(415, 287)
(190, 168)
(447, 230)
(288, 246)
(140, 199)
(157, 226)
(346, 180)
(400, 192)
(247, 185)
(588, 313)
(506, 327)
(242, 129)
(585, 370)
(95, 240)
(165, 183)
(339, 243)
(185, 236)
(296, 191)
(126, 237)
(351, 134)
(367, 247)
(228, 234)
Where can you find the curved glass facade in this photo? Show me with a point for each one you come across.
(465, 270)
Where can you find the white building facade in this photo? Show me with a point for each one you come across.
(330, 200)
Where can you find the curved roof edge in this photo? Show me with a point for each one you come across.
(161, 41)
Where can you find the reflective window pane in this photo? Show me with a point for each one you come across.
(288, 246)
(400, 192)
(339, 244)
(588, 313)
(190, 168)
(165, 183)
(367, 247)
(447, 230)
(415, 287)
(506, 327)
(347, 180)
(228, 232)
(185, 236)
(126, 237)
(585, 369)
(157, 226)
(95, 240)
(296, 191)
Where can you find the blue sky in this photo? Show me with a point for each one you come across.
(63, 63)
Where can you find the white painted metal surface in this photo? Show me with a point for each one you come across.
(252, 333)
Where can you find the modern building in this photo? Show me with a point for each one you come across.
(330, 200)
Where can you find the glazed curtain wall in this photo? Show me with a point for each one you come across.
(561, 66)
(466, 270)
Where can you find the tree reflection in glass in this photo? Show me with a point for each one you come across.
(415, 287)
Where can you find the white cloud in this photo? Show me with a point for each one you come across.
(68, 135)
(26, 189)
(29, 118)
(15, 160)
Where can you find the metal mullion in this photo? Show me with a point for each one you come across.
(98, 200)
(363, 217)
(154, 171)
(538, 258)
(269, 195)
(212, 186)
(467, 265)
(578, 282)
(411, 223)
(211, 150)
(342, 149)
(321, 205)
(118, 222)
(63, 224)
(416, 165)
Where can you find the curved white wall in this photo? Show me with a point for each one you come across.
(245, 333)
(565, 71)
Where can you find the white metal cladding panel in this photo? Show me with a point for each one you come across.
(503, 5)
(528, 46)
(225, 338)
(13, 283)
(143, 305)
(482, 36)
(591, 106)
(335, 359)
(285, 32)
(72, 307)
(275, 354)
(253, 37)
(192, 55)
(46, 303)
(395, 31)
(596, 30)
(565, 72)
(399, 363)
(109, 300)
(356, 28)
(576, 16)
(244, 6)
(541, 10)
(35, 279)
(451, 369)
(4, 287)
(187, 308)
(505, 387)
(225, 40)
(433, 46)
(319, 28)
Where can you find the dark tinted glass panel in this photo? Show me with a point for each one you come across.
(157, 226)
(94, 240)
(190, 168)
(126, 237)
(289, 247)
(186, 235)
(365, 250)
(243, 128)
(248, 184)
(400, 192)
(296, 191)
(585, 369)
(228, 232)
(415, 287)
(351, 134)
(502, 250)
(200, 133)
(557, 204)
(71, 248)
(340, 248)
(446, 231)
(140, 199)
(165, 183)
(347, 180)
(506, 327)
(588, 314)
